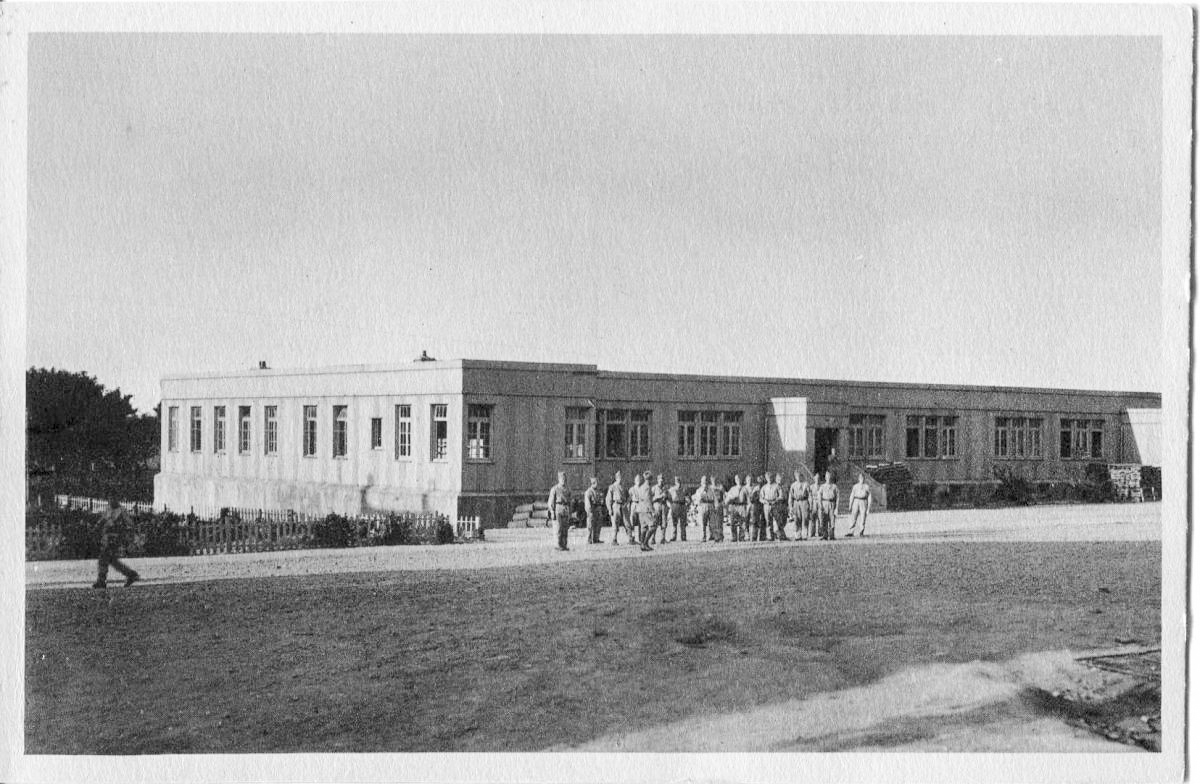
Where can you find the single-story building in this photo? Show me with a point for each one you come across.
(475, 437)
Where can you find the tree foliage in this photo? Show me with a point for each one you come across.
(87, 436)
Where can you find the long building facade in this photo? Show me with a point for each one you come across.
(475, 437)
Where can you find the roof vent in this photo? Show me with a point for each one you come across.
(262, 364)
(425, 357)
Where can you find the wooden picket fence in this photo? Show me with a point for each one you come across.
(245, 530)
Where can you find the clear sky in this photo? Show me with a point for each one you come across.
(940, 209)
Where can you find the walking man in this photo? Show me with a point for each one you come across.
(114, 525)
(615, 499)
(592, 507)
(678, 502)
(860, 505)
(798, 503)
(829, 502)
(559, 503)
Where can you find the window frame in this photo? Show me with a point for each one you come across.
(1017, 437)
(172, 428)
(196, 430)
(479, 433)
(1086, 438)
(376, 434)
(220, 429)
(309, 432)
(340, 422)
(245, 434)
(937, 436)
(866, 437)
(439, 448)
(639, 447)
(270, 430)
(577, 422)
(403, 441)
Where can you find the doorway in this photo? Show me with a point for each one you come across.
(825, 441)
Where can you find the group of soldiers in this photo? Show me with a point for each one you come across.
(755, 509)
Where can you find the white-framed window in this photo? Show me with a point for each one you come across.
(439, 432)
(243, 430)
(310, 431)
(218, 429)
(612, 433)
(731, 434)
(377, 432)
(173, 429)
(709, 433)
(931, 437)
(341, 431)
(575, 436)
(270, 430)
(866, 436)
(1018, 437)
(639, 435)
(196, 429)
(403, 430)
(479, 432)
(687, 433)
(1081, 439)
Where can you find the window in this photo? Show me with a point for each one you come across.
(439, 432)
(403, 431)
(687, 434)
(931, 437)
(1080, 439)
(708, 433)
(1018, 437)
(731, 434)
(866, 436)
(173, 429)
(243, 430)
(218, 429)
(341, 422)
(639, 435)
(377, 432)
(575, 438)
(612, 433)
(479, 432)
(196, 425)
(310, 431)
(270, 430)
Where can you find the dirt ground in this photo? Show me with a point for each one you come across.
(604, 652)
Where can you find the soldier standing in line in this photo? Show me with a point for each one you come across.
(860, 505)
(702, 500)
(754, 507)
(829, 502)
(559, 503)
(735, 502)
(615, 499)
(591, 507)
(114, 525)
(662, 511)
(798, 503)
(635, 511)
(716, 528)
(678, 503)
(769, 497)
(643, 497)
(814, 506)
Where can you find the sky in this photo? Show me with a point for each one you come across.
(979, 210)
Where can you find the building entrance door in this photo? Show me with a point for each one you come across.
(825, 441)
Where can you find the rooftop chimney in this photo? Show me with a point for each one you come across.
(262, 364)
(425, 357)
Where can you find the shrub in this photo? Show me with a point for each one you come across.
(1014, 488)
(333, 531)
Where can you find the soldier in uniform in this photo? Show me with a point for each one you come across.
(860, 505)
(678, 504)
(735, 502)
(662, 510)
(814, 505)
(829, 502)
(798, 503)
(615, 500)
(559, 503)
(642, 496)
(635, 513)
(592, 507)
(702, 499)
(114, 524)
(754, 508)
(769, 496)
(716, 528)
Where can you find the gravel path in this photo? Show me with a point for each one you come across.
(511, 548)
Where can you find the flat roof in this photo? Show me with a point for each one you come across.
(562, 367)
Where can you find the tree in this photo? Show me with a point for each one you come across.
(85, 435)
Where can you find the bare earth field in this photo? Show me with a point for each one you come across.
(884, 643)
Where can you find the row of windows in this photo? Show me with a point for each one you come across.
(340, 430)
(624, 434)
